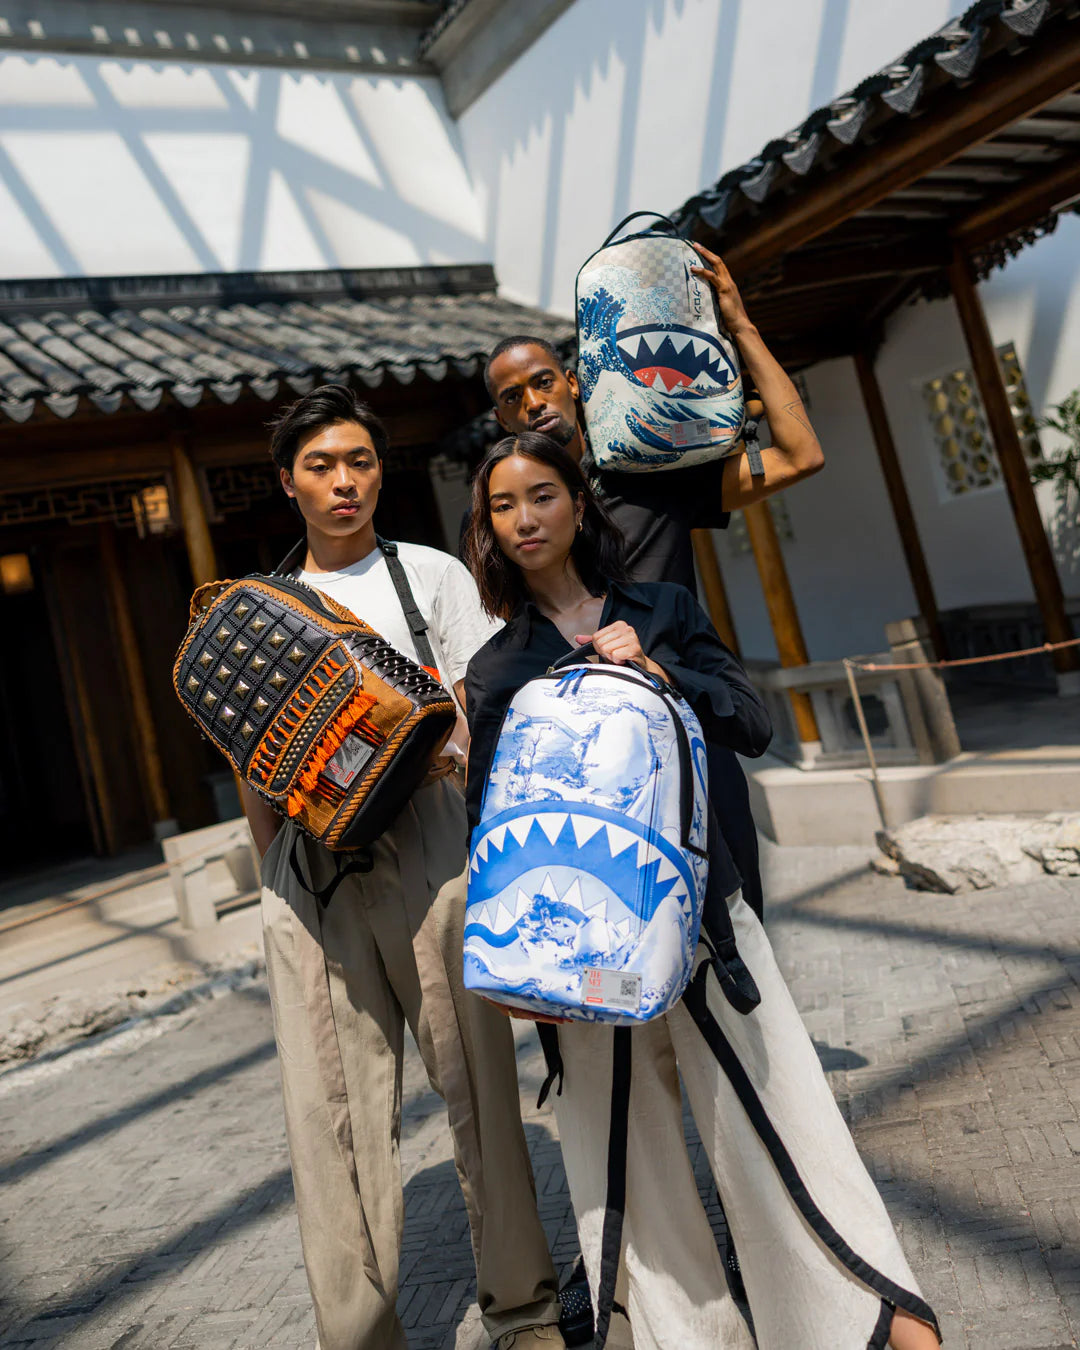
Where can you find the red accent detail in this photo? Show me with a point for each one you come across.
(647, 374)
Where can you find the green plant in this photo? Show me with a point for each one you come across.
(1063, 468)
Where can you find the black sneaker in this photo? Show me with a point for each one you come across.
(576, 1315)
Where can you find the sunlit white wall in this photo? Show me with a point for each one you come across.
(627, 105)
(129, 167)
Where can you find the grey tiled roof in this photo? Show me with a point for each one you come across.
(58, 354)
(899, 90)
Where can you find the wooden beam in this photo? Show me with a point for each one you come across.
(1037, 197)
(810, 270)
(189, 501)
(715, 591)
(151, 771)
(901, 502)
(783, 616)
(952, 123)
(25, 471)
(1014, 468)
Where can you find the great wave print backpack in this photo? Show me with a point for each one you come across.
(659, 374)
(588, 867)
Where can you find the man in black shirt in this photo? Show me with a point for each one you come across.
(656, 511)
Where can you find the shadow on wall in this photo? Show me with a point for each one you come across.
(582, 158)
(128, 167)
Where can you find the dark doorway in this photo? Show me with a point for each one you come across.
(43, 811)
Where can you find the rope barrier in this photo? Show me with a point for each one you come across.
(962, 660)
(853, 664)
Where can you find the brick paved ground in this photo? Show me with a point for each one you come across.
(146, 1195)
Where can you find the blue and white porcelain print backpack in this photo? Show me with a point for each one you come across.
(659, 374)
(588, 866)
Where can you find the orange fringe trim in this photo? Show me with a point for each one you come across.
(353, 712)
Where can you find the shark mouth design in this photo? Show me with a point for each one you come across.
(676, 361)
(576, 848)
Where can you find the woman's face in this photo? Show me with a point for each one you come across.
(532, 513)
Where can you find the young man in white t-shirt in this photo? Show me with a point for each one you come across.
(387, 950)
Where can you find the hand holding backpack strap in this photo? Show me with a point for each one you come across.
(587, 649)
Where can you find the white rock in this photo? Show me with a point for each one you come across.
(961, 853)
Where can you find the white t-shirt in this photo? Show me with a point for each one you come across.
(445, 594)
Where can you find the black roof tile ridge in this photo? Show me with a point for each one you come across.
(229, 288)
(899, 85)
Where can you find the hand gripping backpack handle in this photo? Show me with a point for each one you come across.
(671, 229)
(575, 658)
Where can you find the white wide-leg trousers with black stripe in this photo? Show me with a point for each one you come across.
(822, 1265)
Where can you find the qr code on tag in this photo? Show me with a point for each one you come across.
(612, 989)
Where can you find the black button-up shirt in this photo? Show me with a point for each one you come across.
(675, 633)
(656, 512)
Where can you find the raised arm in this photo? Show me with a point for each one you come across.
(795, 453)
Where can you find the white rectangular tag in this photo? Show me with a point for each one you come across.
(351, 757)
(686, 435)
(611, 989)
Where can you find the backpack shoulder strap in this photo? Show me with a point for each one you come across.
(292, 560)
(615, 1205)
(416, 621)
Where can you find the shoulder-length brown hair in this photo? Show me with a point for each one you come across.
(598, 547)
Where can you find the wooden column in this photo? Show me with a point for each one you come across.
(901, 502)
(189, 503)
(715, 590)
(783, 616)
(1014, 469)
(151, 771)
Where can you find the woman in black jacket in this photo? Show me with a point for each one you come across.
(821, 1263)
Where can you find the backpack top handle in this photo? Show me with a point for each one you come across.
(666, 221)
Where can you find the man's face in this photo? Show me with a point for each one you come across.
(533, 394)
(335, 479)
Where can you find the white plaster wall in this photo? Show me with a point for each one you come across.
(629, 105)
(845, 561)
(125, 167)
(623, 106)
(844, 557)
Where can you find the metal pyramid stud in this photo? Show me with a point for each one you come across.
(224, 674)
(239, 648)
(278, 639)
(242, 689)
(296, 655)
(257, 625)
(247, 731)
(223, 634)
(241, 609)
(192, 685)
(278, 680)
(261, 704)
(228, 715)
(258, 663)
(206, 660)
(210, 698)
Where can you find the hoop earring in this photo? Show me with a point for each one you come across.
(579, 527)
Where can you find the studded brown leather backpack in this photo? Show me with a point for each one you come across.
(314, 710)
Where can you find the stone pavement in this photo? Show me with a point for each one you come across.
(146, 1189)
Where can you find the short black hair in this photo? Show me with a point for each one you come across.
(507, 345)
(323, 407)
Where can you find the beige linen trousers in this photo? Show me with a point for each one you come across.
(343, 981)
(821, 1262)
